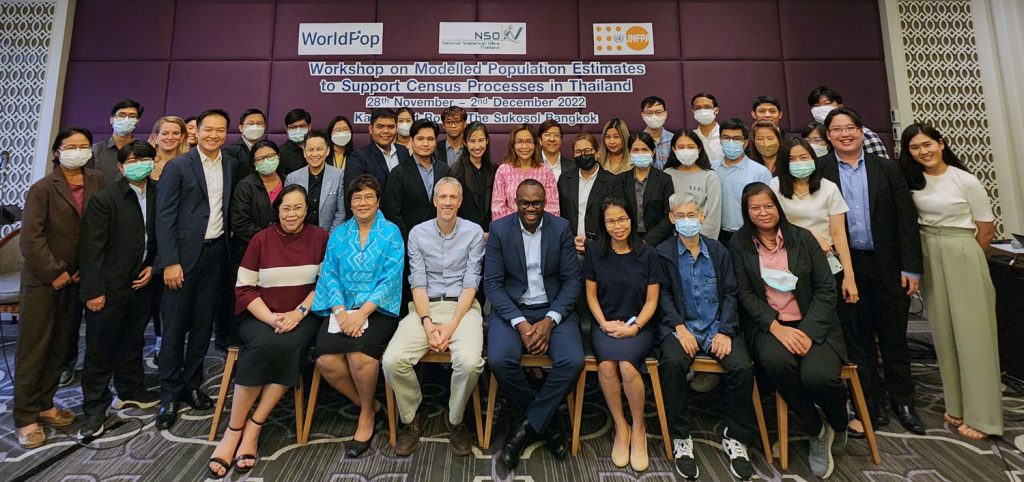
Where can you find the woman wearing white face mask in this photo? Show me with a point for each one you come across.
(405, 119)
(788, 294)
(645, 189)
(814, 134)
(340, 129)
(49, 283)
(691, 173)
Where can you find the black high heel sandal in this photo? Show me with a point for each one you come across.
(221, 462)
(244, 457)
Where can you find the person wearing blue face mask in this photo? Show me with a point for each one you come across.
(736, 171)
(297, 123)
(124, 117)
(645, 190)
(701, 317)
(789, 295)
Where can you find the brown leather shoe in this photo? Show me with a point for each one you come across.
(62, 418)
(460, 438)
(32, 439)
(409, 439)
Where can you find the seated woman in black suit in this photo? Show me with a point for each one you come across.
(622, 278)
(788, 295)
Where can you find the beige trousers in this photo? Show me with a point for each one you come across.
(409, 344)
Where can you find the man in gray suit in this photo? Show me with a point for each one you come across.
(324, 184)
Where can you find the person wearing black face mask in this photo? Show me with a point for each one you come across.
(581, 190)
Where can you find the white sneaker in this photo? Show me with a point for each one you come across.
(739, 461)
(686, 465)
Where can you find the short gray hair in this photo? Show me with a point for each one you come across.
(448, 180)
(681, 199)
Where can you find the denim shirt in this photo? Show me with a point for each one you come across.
(853, 181)
(700, 293)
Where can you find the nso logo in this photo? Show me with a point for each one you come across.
(510, 33)
(341, 38)
(481, 38)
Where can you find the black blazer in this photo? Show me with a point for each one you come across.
(671, 303)
(183, 209)
(476, 200)
(251, 212)
(815, 287)
(655, 209)
(370, 160)
(240, 151)
(569, 195)
(113, 239)
(894, 227)
(292, 159)
(441, 151)
(406, 202)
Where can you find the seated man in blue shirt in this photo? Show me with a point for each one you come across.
(700, 316)
(532, 278)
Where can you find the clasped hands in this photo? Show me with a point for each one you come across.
(536, 336)
(284, 322)
(795, 340)
(438, 336)
(619, 328)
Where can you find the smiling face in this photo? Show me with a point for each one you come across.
(364, 205)
(212, 133)
(551, 141)
(477, 144)
(762, 211)
(447, 200)
(845, 136)
(168, 137)
(383, 131)
(524, 146)
(193, 133)
(292, 212)
(315, 151)
(927, 151)
(530, 204)
(767, 112)
(617, 222)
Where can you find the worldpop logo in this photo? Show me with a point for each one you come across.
(341, 38)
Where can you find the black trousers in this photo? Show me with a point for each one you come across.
(47, 316)
(881, 316)
(188, 316)
(74, 336)
(114, 339)
(806, 381)
(674, 364)
(724, 237)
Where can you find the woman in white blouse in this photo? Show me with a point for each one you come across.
(957, 226)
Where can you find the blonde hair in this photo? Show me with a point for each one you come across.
(183, 146)
(602, 153)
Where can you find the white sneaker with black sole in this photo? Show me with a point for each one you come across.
(686, 465)
(739, 461)
(94, 426)
(145, 399)
(820, 453)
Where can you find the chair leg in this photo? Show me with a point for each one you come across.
(759, 412)
(865, 417)
(392, 423)
(477, 416)
(299, 405)
(782, 412)
(492, 394)
(225, 382)
(659, 402)
(577, 411)
(314, 390)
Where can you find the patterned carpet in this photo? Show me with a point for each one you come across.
(134, 451)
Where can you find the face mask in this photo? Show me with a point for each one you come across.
(655, 121)
(687, 227)
(819, 150)
(778, 280)
(138, 171)
(801, 169)
(267, 165)
(704, 116)
(642, 160)
(403, 128)
(253, 133)
(767, 149)
(585, 162)
(341, 138)
(819, 112)
(732, 149)
(297, 135)
(123, 127)
(75, 158)
(687, 156)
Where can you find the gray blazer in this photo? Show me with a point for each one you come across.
(332, 194)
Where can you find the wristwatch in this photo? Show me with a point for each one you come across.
(302, 310)
(337, 311)
(425, 318)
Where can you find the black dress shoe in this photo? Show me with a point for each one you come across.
(355, 449)
(167, 415)
(879, 416)
(517, 441)
(908, 418)
(555, 440)
(197, 399)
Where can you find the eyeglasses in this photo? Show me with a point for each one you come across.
(768, 208)
(583, 152)
(551, 135)
(453, 123)
(364, 198)
(133, 160)
(529, 204)
(654, 112)
(680, 217)
(818, 141)
(728, 138)
(316, 150)
(524, 142)
(123, 115)
(286, 210)
(844, 130)
(623, 221)
(263, 158)
(256, 123)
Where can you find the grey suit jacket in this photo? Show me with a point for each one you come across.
(332, 194)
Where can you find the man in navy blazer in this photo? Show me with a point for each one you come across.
(192, 225)
(532, 278)
(381, 155)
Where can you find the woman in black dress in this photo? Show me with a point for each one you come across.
(622, 277)
(476, 174)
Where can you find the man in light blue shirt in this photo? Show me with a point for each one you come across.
(736, 171)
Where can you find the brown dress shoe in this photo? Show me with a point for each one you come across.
(62, 418)
(32, 439)
(460, 438)
(409, 439)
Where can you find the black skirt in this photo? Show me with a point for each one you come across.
(373, 342)
(634, 350)
(269, 357)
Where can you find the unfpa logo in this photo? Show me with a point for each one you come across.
(623, 39)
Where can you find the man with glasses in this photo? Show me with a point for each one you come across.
(824, 100)
(532, 295)
(736, 171)
(449, 149)
(116, 251)
(253, 127)
(699, 304)
(124, 118)
(885, 247)
(550, 134)
(654, 114)
(297, 123)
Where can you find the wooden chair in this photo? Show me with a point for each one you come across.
(10, 274)
(225, 381)
(700, 364)
(527, 361)
(849, 373)
(431, 357)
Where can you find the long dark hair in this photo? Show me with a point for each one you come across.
(913, 170)
(749, 230)
(604, 239)
(702, 156)
(460, 170)
(786, 180)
